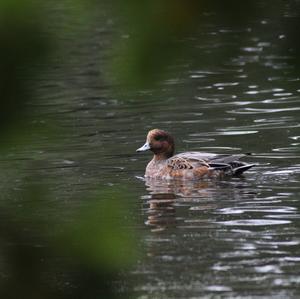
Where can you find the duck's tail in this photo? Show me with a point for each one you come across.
(234, 168)
(230, 164)
(239, 170)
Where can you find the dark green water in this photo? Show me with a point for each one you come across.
(237, 238)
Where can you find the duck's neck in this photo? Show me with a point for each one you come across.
(162, 157)
(163, 153)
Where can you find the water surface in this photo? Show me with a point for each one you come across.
(233, 238)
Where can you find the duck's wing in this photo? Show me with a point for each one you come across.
(227, 158)
(186, 162)
(225, 162)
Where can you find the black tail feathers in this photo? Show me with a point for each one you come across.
(239, 170)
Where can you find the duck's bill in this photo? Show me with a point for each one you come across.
(145, 147)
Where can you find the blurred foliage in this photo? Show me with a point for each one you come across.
(99, 236)
(41, 255)
(44, 256)
(154, 34)
(154, 31)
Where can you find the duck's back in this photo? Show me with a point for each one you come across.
(197, 156)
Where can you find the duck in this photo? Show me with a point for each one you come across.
(188, 165)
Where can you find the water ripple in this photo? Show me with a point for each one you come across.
(262, 110)
(253, 222)
(256, 209)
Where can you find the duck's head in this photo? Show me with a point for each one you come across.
(160, 142)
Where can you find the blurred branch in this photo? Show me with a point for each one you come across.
(22, 46)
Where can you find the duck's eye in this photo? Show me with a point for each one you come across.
(159, 138)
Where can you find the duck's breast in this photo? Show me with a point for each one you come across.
(156, 169)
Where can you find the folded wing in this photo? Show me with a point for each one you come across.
(226, 163)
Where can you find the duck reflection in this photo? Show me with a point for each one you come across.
(161, 211)
(165, 195)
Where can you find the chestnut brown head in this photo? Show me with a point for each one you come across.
(160, 142)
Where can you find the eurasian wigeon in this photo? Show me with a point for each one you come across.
(188, 165)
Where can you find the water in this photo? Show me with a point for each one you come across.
(234, 238)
